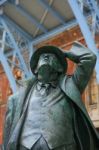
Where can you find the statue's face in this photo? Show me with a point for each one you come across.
(48, 67)
(51, 60)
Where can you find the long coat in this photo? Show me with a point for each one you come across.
(73, 86)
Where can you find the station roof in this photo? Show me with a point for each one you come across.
(36, 18)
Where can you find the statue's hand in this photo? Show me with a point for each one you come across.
(71, 56)
(66, 53)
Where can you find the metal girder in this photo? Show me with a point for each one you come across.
(21, 40)
(2, 2)
(85, 31)
(52, 11)
(31, 18)
(27, 36)
(3, 40)
(94, 8)
(11, 1)
(14, 1)
(81, 4)
(9, 54)
(8, 72)
(27, 15)
(26, 72)
(14, 64)
(56, 31)
(31, 49)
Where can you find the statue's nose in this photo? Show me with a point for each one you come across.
(43, 62)
(46, 58)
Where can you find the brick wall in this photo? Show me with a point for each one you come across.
(2, 114)
(4, 92)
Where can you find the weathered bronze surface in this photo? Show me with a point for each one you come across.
(48, 109)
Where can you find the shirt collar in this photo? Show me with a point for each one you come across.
(47, 85)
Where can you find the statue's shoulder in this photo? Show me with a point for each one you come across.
(64, 78)
(23, 85)
(29, 82)
(12, 100)
(67, 82)
(25, 82)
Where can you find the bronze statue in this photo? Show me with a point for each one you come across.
(48, 112)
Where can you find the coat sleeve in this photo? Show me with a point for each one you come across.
(85, 60)
(8, 122)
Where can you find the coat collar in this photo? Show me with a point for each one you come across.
(70, 89)
(67, 85)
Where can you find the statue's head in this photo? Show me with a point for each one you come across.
(47, 63)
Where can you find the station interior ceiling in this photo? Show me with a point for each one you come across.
(24, 24)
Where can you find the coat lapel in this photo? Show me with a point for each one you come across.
(70, 89)
(21, 115)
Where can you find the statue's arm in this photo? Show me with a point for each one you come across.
(85, 60)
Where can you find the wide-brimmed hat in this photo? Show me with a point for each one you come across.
(48, 49)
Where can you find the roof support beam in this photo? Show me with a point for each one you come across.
(56, 31)
(16, 48)
(27, 36)
(94, 8)
(14, 1)
(8, 71)
(31, 49)
(14, 64)
(2, 2)
(9, 54)
(85, 31)
(52, 11)
(31, 18)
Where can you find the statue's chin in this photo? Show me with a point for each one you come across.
(48, 79)
(43, 79)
